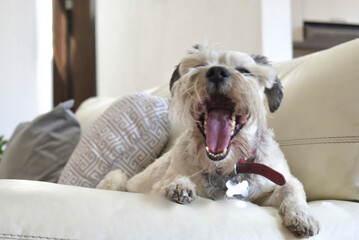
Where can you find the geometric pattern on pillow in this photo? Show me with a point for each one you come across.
(129, 135)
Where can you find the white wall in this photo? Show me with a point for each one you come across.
(276, 30)
(44, 55)
(336, 11)
(339, 11)
(297, 20)
(20, 65)
(140, 41)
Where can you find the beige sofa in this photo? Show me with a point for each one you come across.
(317, 127)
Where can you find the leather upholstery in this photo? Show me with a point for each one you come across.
(39, 210)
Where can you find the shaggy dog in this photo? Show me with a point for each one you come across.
(219, 97)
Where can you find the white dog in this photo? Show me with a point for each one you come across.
(219, 96)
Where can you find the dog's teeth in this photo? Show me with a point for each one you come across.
(223, 153)
(233, 124)
(205, 127)
(205, 123)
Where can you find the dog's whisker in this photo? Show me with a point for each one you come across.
(190, 88)
(197, 92)
(190, 94)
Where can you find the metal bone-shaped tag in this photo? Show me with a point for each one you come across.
(235, 189)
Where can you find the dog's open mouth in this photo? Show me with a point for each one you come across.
(219, 121)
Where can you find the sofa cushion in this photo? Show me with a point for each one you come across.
(39, 150)
(54, 211)
(317, 124)
(129, 135)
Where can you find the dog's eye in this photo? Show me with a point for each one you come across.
(200, 65)
(243, 70)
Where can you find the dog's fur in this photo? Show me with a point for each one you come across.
(224, 84)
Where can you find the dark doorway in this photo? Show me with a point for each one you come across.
(74, 66)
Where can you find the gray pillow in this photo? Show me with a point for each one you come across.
(129, 135)
(39, 150)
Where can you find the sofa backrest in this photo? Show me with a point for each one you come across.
(317, 124)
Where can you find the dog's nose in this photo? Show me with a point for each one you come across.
(217, 74)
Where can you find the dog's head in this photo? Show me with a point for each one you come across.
(221, 96)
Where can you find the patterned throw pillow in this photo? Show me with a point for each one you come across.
(129, 135)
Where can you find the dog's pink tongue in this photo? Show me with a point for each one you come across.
(218, 131)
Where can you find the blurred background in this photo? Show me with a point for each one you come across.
(56, 50)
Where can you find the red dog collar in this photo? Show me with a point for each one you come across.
(257, 168)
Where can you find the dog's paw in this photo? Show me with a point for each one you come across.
(181, 190)
(180, 194)
(301, 224)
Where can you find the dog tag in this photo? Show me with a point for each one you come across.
(234, 188)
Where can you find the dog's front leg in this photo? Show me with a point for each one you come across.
(291, 200)
(177, 188)
(144, 181)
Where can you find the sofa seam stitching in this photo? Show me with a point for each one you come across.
(319, 140)
(16, 236)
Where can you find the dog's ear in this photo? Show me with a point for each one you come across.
(175, 76)
(274, 92)
(262, 60)
(274, 95)
(197, 48)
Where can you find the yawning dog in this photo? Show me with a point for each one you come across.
(220, 98)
